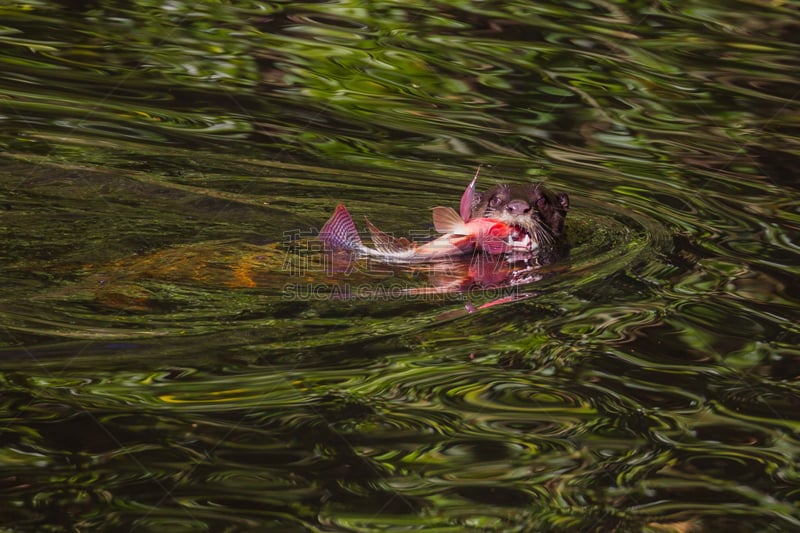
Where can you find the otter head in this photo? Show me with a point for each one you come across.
(536, 211)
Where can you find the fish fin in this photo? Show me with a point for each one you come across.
(468, 198)
(446, 220)
(340, 232)
(385, 243)
(448, 276)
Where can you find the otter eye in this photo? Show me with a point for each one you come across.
(541, 202)
(495, 201)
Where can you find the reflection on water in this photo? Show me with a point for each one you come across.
(174, 354)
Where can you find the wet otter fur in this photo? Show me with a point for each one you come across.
(531, 207)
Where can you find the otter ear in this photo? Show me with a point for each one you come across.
(563, 200)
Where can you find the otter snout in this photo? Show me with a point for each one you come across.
(518, 207)
(529, 206)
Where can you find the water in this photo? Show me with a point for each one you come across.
(174, 356)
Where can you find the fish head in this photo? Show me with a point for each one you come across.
(535, 213)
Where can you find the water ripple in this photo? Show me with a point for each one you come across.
(175, 356)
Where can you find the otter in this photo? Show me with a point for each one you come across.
(537, 211)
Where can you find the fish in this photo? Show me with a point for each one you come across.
(524, 221)
(499, 239)
(459, 238)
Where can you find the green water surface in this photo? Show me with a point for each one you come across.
(175, 355)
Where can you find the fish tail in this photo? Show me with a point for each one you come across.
(340, 232)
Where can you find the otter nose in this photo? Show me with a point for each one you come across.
(518, 207)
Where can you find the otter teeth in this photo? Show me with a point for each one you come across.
(519, 244)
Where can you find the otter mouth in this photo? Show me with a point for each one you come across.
(526, 233)
(520, 239)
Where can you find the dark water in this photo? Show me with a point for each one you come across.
(174, 358)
